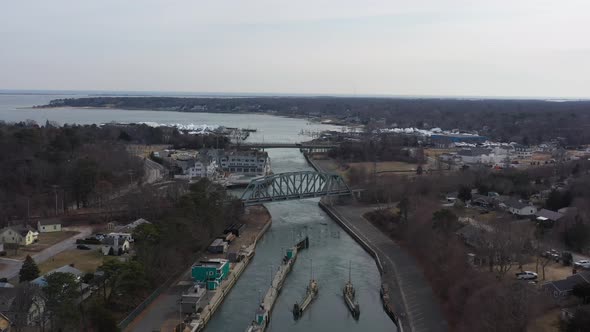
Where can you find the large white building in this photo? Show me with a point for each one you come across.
(245, 162)
(202, 169)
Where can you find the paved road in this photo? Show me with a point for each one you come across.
(153, 171)
(422, 310)
(12, 266)
(164, 309)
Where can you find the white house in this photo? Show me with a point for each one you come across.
(49, 225)
(473, 155)
(520, 208)
(202, 168)
(18, 235)
(114, 246)
(122, 236)
(522, 151)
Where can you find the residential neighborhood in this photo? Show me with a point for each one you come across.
(24, 302)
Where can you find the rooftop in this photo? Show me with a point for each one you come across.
(46, 222)
(516, 203)
(545, 214)
(64, 269)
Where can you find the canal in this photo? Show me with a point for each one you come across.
(331, 250)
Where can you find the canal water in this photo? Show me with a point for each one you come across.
(331, 249)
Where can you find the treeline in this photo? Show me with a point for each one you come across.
(525, 121)
(171, 242)
(49, 169)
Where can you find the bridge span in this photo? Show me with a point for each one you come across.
(294, 185)
(283, 145)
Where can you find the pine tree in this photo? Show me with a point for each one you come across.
(29, 270)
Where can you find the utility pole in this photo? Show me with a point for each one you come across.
(55, 192)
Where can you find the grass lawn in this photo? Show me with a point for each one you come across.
(49, 239)
(386, 166)
(83, 260)
(553, 271)
(46, 240)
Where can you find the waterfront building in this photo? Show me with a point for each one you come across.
(211, 272)
(203, 168)
(251, 162)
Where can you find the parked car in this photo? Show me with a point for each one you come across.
(83, 247)
(526, 275)
(584, 263)
(553, 254)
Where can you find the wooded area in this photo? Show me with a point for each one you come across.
(46, 170)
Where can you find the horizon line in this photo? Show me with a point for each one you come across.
(150, 93)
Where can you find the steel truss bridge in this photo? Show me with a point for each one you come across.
(294, 185)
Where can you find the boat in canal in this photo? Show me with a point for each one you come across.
(349, 297)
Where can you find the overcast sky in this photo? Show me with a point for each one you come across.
(413, 47)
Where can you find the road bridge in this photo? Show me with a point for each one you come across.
(287, 145)
(294, 185)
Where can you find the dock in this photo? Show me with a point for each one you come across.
(262, 317)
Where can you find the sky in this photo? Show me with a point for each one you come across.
(523, 48)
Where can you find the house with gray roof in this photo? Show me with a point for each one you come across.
(519, 207)
(42, 282)
(545, 215)
(560, 289)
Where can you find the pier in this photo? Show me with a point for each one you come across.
(262, 317)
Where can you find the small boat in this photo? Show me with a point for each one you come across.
(310, 294)
(349, 297)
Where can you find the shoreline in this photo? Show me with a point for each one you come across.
(314, 120)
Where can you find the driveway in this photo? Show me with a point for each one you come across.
(11, 267)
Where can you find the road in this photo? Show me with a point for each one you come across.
(164, 309)
(402, 272)
(12, 266)
(153, 171)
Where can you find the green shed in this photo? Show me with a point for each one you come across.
(212, 272)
